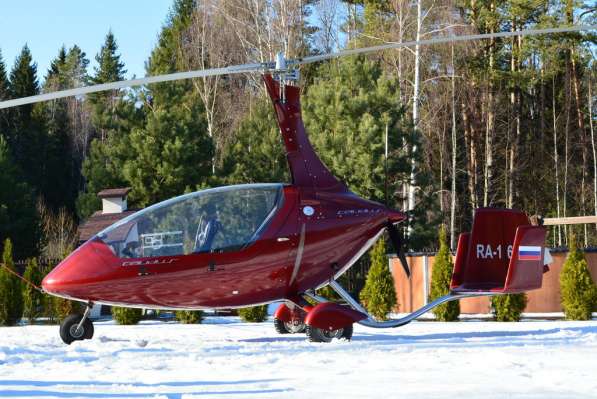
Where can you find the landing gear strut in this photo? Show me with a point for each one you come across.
(76, 327)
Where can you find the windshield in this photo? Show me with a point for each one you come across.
(213, 220)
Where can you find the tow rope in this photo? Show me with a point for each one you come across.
(35, 286)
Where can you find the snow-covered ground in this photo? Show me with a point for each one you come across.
(227, 358)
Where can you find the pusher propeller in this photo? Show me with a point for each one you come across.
(396, 238)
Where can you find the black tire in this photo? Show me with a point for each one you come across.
(319, 335)
(68, 329)
(347, 333)
(280, 327)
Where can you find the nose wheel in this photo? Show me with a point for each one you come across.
(76, 327)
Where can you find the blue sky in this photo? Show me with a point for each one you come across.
(46, 25)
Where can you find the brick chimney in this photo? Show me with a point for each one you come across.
(114, 200)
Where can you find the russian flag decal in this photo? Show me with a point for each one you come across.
(529, 253)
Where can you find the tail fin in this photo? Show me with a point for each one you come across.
(502, 254)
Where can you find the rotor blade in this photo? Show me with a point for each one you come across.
(235, 69)
(396, 239)
(440, 40)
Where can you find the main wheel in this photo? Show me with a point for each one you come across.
(290, 327)
(69, 331)
(320, 335)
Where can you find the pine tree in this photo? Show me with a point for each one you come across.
(18, 217)
(11, 299)
(75, 67)
(110, 69)
(4, 95)
(127, 316)
(379, 294)
(26, 135)
(189, 316)
(255, 314)
(257, 154)
(162, 148)
(33, 300)
(23, 79)
(55, 80)
(440, 281)
(59, 185)
(167, 56)
(172, 152)
(111, 116)
(578, 290)
(347, 114)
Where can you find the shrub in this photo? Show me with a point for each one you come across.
(255, 314)
(11, 298)
(440, 281)
(578, 291)
(328, 293)
(33, 300)
(127, 316)
(509, 307)
(189, 316)
(59, 309)
(379, 295)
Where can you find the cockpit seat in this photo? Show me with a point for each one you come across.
(206, 236)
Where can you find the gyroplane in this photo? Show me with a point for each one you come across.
(252, 244)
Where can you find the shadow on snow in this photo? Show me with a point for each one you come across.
(55, 388)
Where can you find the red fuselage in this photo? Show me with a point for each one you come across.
(295, 252)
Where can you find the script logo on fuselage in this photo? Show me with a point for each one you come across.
(149, 262)
(358, 212)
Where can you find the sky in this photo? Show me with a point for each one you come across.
(46, 25)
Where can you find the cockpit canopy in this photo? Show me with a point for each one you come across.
(215, 220)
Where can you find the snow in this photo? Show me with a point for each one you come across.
(227, 358)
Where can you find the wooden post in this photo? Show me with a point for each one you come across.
(569, 220)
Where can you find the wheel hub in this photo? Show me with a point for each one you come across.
(333, 333)
(76, 332)
(294, 326)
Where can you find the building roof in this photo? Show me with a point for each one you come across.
(99, 221)
(114, 192)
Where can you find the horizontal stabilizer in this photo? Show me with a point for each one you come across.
(504, 253)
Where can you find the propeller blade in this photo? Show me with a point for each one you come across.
(269, 66)
(396, 239)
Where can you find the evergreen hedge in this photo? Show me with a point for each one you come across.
(189, 316)
(379, 295)
(255, 314)
(59, 309)
(127, 316)
(33, 300)
(509, 307)
(11, 298)
(440, 281)
(578, 290)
